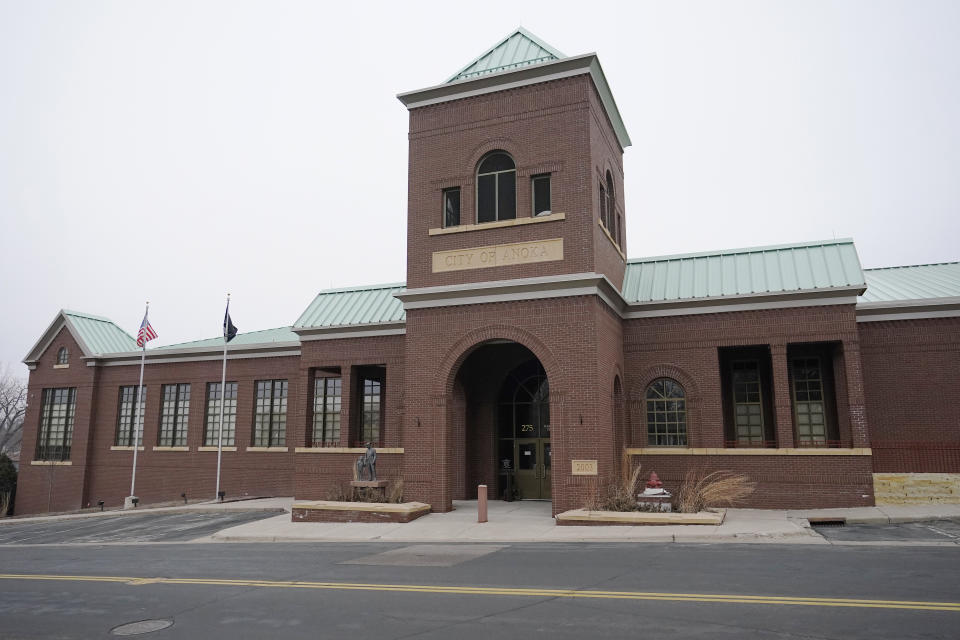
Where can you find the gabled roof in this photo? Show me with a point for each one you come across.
(264, 336)
(95, 335)
(519, 49)
(917, 282)
(753, 271)
(352, 307)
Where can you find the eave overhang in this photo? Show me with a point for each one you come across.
(543, 72)
(917, 309)
(188, 354)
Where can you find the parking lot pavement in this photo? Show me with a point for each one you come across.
(942, 531)
(148, 527)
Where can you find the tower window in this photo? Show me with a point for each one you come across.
(451, 207)
(496, 188)
(63, 356)
(541, 194)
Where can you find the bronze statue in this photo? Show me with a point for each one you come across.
(368, 461)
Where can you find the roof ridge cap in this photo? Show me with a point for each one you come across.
(913, 266)
(368, 287)
(243, 333)
(756, 249)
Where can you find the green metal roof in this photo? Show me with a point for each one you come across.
(918, 282)
(265, 336)
(99, 335)
(742, 272)
(354, 306)
(519, 49)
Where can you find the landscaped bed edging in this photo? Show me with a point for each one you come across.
(581, 517)
(331, 511)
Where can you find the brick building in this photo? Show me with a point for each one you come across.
(525, 349)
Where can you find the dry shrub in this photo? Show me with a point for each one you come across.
(622, 496)
(396, 491)
(340, 492)
(700, 490)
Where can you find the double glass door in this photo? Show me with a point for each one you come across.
(533, 468)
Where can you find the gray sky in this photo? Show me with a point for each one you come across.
(175, 151)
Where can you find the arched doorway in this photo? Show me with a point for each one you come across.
(500, 423)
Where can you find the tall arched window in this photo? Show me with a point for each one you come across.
(63, 356)
(611, 208)
(496, 188)
(666, 413)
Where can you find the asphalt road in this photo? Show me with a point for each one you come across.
(147, 527)
(369, 590)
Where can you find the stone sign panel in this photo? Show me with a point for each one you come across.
(498, 255)
(584, 467)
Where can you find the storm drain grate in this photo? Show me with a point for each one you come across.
(817, 523)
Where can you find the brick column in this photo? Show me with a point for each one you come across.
(782, 406)
(347, 385)
(855, 397)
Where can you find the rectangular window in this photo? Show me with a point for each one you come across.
(370, 411)
(541, 194)
(326, 412)
(174, 409)
(451, 207)
(211, 436)
(56, 424)
(270, 414)
(747, 402)
(808, 402)
(127, 414)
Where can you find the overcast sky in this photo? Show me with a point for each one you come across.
(175, 151)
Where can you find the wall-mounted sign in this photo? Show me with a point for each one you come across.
(498, 255)
(584, 467)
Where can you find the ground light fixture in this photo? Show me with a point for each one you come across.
(220, 495)
(135, 502)
(100, 504)
(184, 496)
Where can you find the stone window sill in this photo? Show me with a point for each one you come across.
(171, 448)
(793, 451)
(267, 449)
(122, 448)
(463, 228)
(354, 450)
(606, 232)
(51, 463)
(225, 448)
(61, 366)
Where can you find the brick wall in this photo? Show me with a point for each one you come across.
(912, 381)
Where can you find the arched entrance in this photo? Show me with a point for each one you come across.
(501, 424)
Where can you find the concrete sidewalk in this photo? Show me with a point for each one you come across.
(528, 521)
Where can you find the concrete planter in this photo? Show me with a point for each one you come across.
(581, 517)
(330, 511)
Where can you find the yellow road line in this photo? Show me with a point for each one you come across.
(510, 591)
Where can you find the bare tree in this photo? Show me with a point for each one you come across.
(13, 406)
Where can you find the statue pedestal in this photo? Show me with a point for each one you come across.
(655, 500)
(366, 486)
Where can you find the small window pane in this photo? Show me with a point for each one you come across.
(541, 194)
(496, 162)
(666, 413)
(486, 198)
(451, 207)
(507, 196)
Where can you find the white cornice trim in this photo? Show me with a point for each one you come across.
(916, 309)
(586, 64)
(749, 302)
(187, 358)
(577, 284)
(353, 331)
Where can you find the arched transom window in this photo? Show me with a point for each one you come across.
(63, 356)
(666, 407)
(496, 188)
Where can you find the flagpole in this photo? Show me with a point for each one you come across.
(136, 424)
(223, 398)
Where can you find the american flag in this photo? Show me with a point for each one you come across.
(146, 333)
